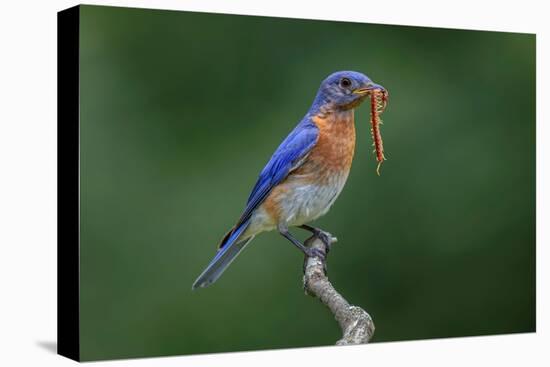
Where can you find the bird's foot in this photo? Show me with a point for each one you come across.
(314, 252)
(325, 237)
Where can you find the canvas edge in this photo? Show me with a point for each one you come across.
(68, 183)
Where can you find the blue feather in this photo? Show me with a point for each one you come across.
(296, 145)
(225, 255)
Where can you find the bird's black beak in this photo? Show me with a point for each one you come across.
(369, 88)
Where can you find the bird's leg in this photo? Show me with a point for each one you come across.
(310, 252)
(320, 234)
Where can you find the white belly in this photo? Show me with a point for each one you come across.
(300, 204)
(308, 202)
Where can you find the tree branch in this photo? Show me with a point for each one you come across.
(356, 324)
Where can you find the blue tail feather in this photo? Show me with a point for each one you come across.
(228, 251)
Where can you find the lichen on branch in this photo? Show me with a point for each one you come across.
(356, 324)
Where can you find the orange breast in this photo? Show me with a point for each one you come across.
(328, 163)
(335, 147)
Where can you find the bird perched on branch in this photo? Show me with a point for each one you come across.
(304, 176)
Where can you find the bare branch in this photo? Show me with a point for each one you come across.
(356, 324)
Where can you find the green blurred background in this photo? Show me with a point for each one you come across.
(179, 113)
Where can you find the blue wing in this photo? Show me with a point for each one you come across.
(286, 158)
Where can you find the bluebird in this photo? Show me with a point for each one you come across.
(304, 176)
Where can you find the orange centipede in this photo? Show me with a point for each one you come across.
(378, 102)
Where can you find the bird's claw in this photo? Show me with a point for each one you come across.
(315, 252)
(326, 238)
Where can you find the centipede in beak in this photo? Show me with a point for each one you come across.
(378, 103)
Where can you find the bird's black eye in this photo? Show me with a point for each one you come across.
(345, 83)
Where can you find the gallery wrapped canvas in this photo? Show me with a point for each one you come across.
(237, 183)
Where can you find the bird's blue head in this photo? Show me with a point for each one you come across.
(345, 90)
